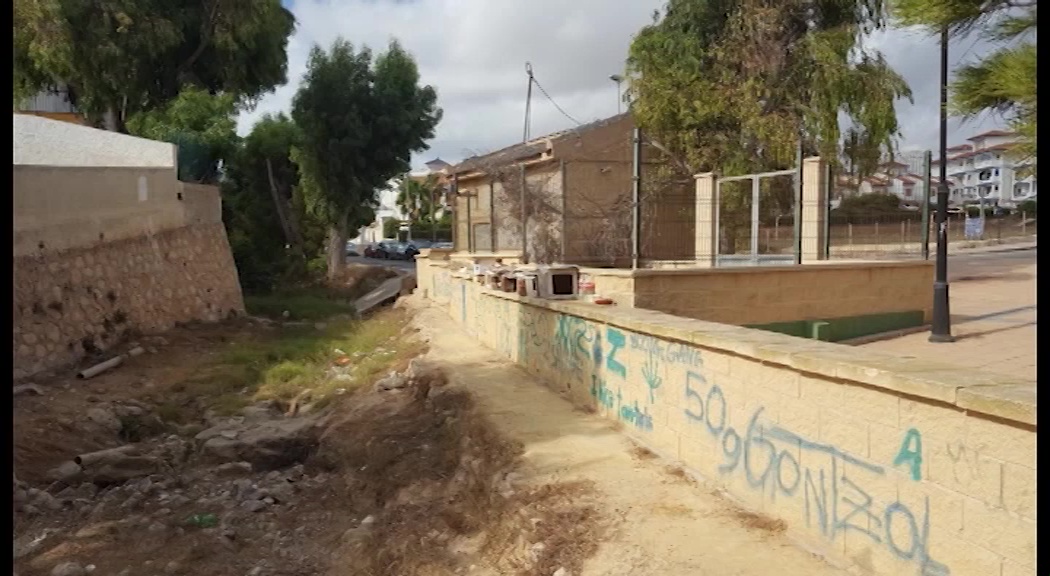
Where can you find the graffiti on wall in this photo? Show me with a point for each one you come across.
(831, 484)
(441, 286)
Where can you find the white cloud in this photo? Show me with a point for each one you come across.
(474, 53)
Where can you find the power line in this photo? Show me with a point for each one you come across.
(544, 92)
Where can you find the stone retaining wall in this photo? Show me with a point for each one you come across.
(73, 302)
(888, 465)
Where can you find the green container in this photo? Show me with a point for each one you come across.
(204, 520)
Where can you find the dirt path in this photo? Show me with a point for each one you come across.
(662, 522)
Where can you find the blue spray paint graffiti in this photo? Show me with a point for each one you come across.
(441, 286)
(631, 413)
(669, 352)
(652, 379)
(911, 453)
(616, 341)
(849, 508)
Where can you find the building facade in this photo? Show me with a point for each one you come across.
(54, 104)
(984, 169)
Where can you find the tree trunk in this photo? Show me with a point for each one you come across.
(337, 247)
(111, 120)
(288, 223)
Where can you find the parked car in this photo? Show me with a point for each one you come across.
(382, 250)
(351, 249)
(407, 251)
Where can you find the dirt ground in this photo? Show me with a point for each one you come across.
(405, 477)
(657, 520)
(448, 462)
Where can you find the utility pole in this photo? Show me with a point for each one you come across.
(528, 103)
(941, 330)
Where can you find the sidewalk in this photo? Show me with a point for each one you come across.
(954, 247)
(993, 321)
(660, 521)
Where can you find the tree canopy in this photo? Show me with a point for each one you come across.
(729, 85)
(272, 235)
(1002, 82)
(361, 120)
(417, 197)
(119, 58)
(202, 125)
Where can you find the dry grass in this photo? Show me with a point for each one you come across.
(285, 363)
(642, 453)
(760, 521)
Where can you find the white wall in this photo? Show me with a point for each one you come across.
(44, 142)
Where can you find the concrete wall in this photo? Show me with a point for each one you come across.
(66, 207)
(41, 141)
(889, 465)
(764, 294)
(103, 252)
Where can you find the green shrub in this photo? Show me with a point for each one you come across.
(1027, 207)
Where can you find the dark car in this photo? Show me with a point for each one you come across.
(380, 250)
(407, 251)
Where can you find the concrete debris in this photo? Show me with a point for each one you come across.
(68, 569)
(30, 389)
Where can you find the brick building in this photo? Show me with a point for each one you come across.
(576, 203)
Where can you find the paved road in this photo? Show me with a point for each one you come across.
(403, 264)
(961, 266)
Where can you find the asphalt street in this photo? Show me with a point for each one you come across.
(985, 264)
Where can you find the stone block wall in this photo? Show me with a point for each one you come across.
(76, 301)
(891, 466)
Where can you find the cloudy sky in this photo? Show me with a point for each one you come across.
(474, 52)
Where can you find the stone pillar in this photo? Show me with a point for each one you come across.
(814, 209)
(706, 219)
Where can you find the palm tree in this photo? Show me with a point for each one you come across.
(414, 197)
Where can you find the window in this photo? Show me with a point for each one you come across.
(995, 172)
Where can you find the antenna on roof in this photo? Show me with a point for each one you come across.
(528, 103)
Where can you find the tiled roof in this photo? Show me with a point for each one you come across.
(523, 150)
(992, 134)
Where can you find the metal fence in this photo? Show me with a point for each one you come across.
(625, 170)
(756, 218)
(901, 236)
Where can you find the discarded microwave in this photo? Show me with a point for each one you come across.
(558, 282)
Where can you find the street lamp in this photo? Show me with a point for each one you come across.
(940, 329)
(617, 78)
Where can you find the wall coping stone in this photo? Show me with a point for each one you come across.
(986, 393)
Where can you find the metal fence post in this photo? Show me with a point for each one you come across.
(492, 215)
(564, 212)
(927, 159)
(524, 220)
(798, 202)
(829, 186)
(636, 192)
(755, 193)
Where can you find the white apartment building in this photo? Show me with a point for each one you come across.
(983, 169)
(388, 208)
(897, 178)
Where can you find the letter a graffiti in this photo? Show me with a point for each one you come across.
(911, 453)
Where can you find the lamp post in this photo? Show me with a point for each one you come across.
(618, 79)
(940, 329)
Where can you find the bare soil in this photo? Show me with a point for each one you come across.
(413, 480)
